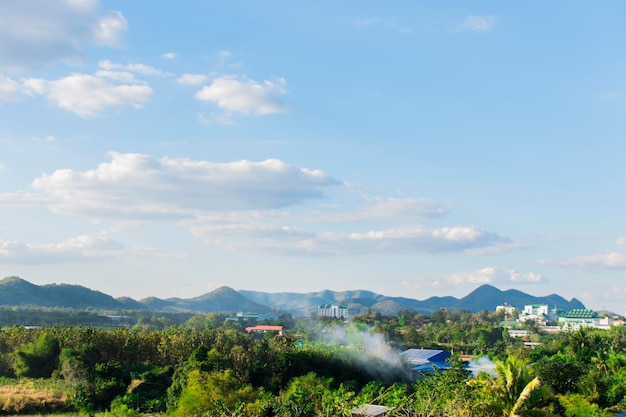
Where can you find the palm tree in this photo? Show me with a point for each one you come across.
(524, 396)
(512, 386)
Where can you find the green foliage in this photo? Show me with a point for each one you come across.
(209, 392)
(560, 372)
(148, 390)
(303, 397)
(205, 368)
(38, 359)
(120, 409)
(576, 405)
(443, 393)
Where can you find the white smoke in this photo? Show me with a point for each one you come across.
(371, 351)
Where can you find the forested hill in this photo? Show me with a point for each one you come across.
(485, 297)
(15, 291)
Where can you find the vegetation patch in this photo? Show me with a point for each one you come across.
(18, 396)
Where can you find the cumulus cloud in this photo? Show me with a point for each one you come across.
(224, 231)
(111, 29)
(246, 205)
(192, 79)
(168, 55)
(141, 69)
(404, 239)
(395, 240)
(37, 33)
(9, 89)
(609, 260)
(475, 23)
(136, 185)
(89, 95)
(620, 240)
(495, 275)
(98, 246)
(245, 96)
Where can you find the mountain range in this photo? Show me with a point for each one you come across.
(15, 291)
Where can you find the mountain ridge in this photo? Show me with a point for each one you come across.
(15, 291)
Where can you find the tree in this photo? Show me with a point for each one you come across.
(303, 397)
(38, 359)
(514, 388)
(212, 393)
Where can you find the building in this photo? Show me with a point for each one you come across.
(539, 313)
(582, 317)
(426, 360)
(264, 329)
(509, 310)
(334, 311)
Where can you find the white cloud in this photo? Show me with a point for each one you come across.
(38, 33)
(245, 96)
(475, 23)
(301, 242)
(95, 247)
(111, 29)
(138, 186)
(120, 76)
(620, 240)
(9, 89)
(168, 55)
(142, 69)
(218, 231)
(610, 260)
(192, 79)
(244, 205)
(22, 199)
(2, 167)
(494, 275)
(390, 207)
(89, 95)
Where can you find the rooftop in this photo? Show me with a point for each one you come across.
(580, 313)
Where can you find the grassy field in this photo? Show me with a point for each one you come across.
(32, 395)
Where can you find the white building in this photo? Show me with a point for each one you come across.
(539, 313)
(582, 317)
(507, 309)
(331, 310)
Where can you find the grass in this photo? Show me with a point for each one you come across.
(32, 395)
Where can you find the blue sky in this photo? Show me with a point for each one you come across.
(412, 148)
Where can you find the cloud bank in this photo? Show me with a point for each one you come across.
(38, 33)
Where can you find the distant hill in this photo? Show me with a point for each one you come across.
(15, 291)
(475, 301)
(485, 297)
(220, 300)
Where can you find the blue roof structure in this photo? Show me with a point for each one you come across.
(426, 360)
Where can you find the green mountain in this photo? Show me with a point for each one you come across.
(15, 291)
(220, 300)
(485, 297)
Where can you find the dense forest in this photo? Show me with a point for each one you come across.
(207, 366)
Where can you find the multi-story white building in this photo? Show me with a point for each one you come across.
(331, 310)
(582, 317)
(539, 313)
